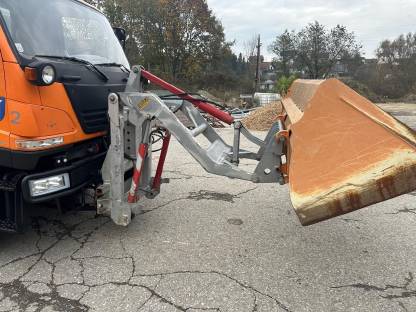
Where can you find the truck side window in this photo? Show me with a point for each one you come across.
(7, 16)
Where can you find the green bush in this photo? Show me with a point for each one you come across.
(284, 83)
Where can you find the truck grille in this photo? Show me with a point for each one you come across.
(94, 120)
(90, 103)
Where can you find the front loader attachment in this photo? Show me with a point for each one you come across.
(338, 151)
(344, 152)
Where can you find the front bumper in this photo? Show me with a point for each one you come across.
(81, 173)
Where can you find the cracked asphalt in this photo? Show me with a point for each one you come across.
(213, 244)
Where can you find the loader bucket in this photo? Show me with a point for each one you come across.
(344, 152)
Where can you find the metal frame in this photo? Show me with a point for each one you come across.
(132, 116)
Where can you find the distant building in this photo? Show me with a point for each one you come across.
(266, 67)
(367, 61)
(342, 69)
(268, 76)
(267, 85)
(339, 69)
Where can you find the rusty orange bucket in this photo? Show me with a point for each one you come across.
(344, 152)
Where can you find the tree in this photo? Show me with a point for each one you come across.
(250, 47)
(93, 2)
(397, 66)
(315, 50)
(353, 63)
(180, 37)
(180, 40)
(284, 48)
(319, 50)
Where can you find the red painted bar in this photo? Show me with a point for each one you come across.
(208, 108)
(141, 156)
(161, 164)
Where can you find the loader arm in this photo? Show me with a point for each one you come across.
(337, 150)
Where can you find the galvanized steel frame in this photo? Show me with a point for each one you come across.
(131, 110)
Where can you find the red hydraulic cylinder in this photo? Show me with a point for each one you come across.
(158, 177)
(208, 108)
(141, 156)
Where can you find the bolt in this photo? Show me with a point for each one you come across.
(113, 97)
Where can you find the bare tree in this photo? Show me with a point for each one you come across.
(249, 47)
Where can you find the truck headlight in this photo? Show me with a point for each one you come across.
(39, 144)
(49, 185)
(40, 73)
(48, 75)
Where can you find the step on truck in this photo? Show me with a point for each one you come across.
(76, 121)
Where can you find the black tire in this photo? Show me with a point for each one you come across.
(12, 205)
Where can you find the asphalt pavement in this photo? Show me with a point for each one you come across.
(405, 112)
(213, 244)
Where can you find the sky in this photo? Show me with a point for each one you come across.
(371, 20)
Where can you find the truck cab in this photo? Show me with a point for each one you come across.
(59, 62)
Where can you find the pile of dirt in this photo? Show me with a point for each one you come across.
(263, 118)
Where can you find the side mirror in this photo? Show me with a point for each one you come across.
(121, 35)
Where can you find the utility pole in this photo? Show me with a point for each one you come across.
(256, 86)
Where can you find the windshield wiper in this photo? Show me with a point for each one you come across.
(78, 60)
(114, 65)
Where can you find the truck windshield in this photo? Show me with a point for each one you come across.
(64, 28)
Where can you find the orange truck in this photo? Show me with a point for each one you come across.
(58, 64)
(76, 123)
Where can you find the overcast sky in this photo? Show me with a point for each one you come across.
(371, 20)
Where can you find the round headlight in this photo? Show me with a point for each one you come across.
(48, 75)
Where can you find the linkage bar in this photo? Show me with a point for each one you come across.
(208, 108)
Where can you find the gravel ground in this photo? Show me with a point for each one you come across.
(213, 244)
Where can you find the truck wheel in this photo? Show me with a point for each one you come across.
(12, 206)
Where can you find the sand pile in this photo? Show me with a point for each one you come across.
(263, 118)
